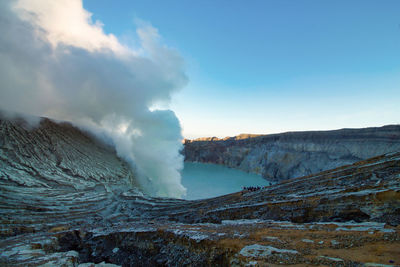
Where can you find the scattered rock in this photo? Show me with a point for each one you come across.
(263, 251)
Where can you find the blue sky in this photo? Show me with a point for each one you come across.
(274, 66)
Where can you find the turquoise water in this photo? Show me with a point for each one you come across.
(203, 180)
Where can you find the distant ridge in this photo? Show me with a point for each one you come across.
(293, 154)
(248, 135)
(237, 137)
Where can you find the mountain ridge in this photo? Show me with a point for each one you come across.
(293, 154)
(250, 136)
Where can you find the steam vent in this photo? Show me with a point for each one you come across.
(67, 199)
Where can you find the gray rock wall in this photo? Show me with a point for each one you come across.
(289, 155)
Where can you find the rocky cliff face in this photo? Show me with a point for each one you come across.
(294, 154)
(67, 200)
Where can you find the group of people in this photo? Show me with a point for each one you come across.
(252, 188)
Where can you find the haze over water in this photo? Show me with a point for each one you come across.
(204, 180)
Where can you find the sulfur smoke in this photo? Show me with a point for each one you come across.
(56, 62)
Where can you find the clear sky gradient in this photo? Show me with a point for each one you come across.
(273, 66)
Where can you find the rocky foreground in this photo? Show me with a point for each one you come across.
(277, 157)
(68, 200)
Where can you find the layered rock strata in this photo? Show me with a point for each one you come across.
(67, 200)
(288, 155)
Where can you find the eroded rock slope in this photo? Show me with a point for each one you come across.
(294, 154)
(68, 200)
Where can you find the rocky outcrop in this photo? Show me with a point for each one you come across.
(288, 155)
(58, 155)
(67, 214)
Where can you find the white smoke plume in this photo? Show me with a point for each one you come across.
(56, 62)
